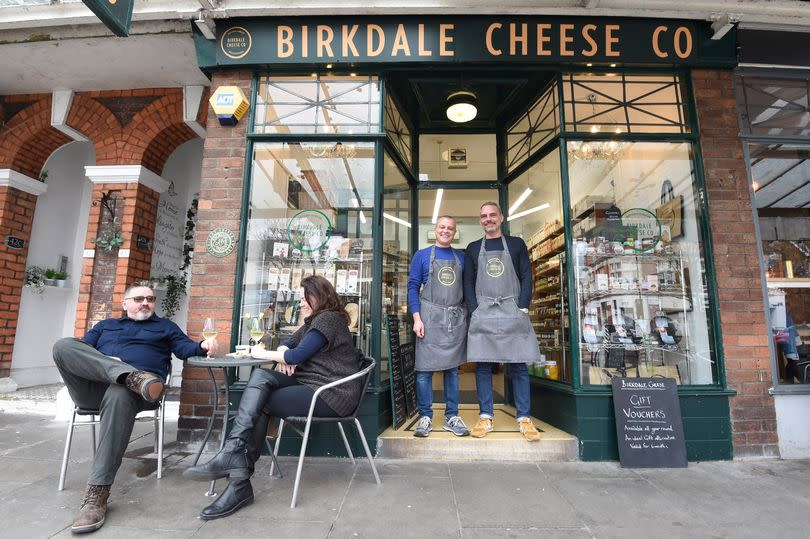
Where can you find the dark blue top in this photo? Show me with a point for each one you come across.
(147, 345)
(520, 259)
(313, 341)
(420, 268)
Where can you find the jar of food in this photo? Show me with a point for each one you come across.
(551, 371)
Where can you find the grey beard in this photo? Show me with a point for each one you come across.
(140, 316)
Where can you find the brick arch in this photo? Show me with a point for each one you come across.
(164, 144)
(28, 139)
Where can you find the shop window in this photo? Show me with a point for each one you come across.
(397, 130)
(639, 264)
(781, 184)
(774, 107)
(535, 214)
(318, 104)
(615, 103)
(309, 214)
(537, 126)
(458, 158)
(396, 256)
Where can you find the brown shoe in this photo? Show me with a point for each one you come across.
(482, 428)
(149, 386)
(528, 430)
(93, 510)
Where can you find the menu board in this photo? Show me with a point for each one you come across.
(402, 363)
(649, 429)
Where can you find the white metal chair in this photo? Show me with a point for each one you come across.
(366, 371)
(157, 415)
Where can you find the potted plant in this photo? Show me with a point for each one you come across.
(60, 277)
(50, 277)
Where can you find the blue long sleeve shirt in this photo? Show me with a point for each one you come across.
(420, 269)
(520, 259)
(147, 345)
(313, 341)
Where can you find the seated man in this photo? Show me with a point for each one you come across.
(119, 368)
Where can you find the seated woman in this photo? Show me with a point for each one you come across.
(320, 352)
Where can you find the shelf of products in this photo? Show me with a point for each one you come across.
(626, 297)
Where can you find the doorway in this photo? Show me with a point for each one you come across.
(452, 171)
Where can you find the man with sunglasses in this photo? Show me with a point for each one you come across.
(119, 368)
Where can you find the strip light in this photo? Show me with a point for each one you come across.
(402, 222)
(362, 217)
(437, 205)
(520, 200)
(524, 213)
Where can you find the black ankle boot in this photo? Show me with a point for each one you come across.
(235, 496)
(234, 461)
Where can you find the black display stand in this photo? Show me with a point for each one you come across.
(649, 429)
(402, 363)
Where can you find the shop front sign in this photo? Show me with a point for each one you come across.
(220, 242)
(408, 39)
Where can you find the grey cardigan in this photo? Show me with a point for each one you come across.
(337, 359)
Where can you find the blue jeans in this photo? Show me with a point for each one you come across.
(520, 387)
(424, 392)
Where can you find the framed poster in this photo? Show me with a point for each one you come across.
(457, 158)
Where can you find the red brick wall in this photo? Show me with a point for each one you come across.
(745, 336)
(212, 280)
(16, 216)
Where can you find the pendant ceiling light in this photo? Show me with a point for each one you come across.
(462, 107)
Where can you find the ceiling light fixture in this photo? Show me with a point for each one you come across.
(437, 205)
(524, 213)
(402, 222)
(523, 196)
(462, 107)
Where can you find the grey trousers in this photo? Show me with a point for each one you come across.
(90, 377)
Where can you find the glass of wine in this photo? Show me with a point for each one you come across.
(255, 330)
(209, 329)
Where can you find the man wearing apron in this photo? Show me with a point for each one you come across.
(498, 289)
(440, 325)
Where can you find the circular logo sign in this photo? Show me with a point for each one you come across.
(220, 242)
(447, 276)
(495, 267)
(309, 230)
(647, 225)
(235, 43)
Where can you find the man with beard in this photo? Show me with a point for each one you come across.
(119, 368)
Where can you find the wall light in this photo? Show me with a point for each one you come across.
(462, 107)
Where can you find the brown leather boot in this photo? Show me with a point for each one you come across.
(93, 510)
(149, 386)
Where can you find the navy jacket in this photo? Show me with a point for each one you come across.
(147, 345)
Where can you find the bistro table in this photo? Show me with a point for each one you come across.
(224, 362)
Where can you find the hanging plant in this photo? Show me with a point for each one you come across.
(110, 240)
(175, 290)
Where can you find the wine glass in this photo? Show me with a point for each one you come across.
(209, 329)
(255, 330)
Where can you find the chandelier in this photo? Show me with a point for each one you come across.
(337, 150)
(595, 150)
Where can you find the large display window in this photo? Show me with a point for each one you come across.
(639, 263)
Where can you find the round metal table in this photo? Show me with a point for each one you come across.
(224, 363)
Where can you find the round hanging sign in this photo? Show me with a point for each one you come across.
(309, 230)
(220, 242)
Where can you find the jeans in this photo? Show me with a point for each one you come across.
(424, 392)
(520, 387)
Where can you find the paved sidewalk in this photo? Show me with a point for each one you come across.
(755, 498)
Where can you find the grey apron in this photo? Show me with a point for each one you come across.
(444, 345)
(499, 330)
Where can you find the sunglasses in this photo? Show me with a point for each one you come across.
(139, 299)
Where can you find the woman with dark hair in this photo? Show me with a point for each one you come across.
(319, 352)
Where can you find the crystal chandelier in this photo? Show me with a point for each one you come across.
(338, 150)
(595, 150)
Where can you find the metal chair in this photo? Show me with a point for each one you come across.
(366, 371)
(156, 414)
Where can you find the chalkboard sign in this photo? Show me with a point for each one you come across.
(648, 423)
(402, 363)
